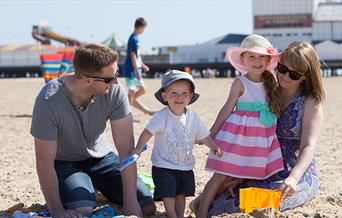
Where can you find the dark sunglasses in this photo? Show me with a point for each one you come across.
(294, 75)
(106, 80)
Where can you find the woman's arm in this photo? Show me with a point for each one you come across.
(236, 91)
(311, 126)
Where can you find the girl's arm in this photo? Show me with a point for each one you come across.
(209, 142)
(311, 126)
(145, 136)
(236, 91)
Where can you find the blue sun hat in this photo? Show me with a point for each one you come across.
(171, 77)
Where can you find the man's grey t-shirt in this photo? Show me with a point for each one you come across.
(79, 133)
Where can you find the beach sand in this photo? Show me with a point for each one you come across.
(19, 182)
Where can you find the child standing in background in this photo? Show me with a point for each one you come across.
(134, 67)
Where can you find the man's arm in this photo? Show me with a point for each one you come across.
(45, 157)
(122, 131)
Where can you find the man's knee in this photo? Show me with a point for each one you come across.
(149, 210)
(85, 211)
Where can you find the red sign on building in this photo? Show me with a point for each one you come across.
(286, 20)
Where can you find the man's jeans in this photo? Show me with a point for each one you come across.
(78, 179)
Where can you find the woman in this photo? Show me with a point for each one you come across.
(301, 90)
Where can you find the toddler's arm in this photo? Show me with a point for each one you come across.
(145, 136)
(236, 91)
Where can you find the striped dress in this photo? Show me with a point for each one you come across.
(247, 138)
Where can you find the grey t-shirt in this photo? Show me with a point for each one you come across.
(79, 133)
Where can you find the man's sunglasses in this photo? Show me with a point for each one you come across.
(294, 75)
(106, 80)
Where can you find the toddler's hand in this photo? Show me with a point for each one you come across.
(217, 151)
(137, 151)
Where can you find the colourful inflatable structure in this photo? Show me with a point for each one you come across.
(55, 64)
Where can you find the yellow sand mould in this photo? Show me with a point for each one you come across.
(253, 198)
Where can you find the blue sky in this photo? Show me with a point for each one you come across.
(179, 22)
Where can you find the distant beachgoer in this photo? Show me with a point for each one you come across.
(246, 135)
(134, 67)
(176, 128)
(72, 153)
(298, 129)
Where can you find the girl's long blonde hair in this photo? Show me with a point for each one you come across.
(273, 95)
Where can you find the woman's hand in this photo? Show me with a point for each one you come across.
(288, 187)
(230, 184)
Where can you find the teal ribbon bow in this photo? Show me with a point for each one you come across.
(266, 117)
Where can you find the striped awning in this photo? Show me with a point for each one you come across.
(15, 47)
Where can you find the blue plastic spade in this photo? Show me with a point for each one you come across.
(130, 159)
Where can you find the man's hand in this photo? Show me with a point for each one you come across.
(288, 187)
(132, 207)
(69, 213)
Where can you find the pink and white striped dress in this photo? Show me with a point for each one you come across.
(251, 149)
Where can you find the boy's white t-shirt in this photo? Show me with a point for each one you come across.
(175, 138)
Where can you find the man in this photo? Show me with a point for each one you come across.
(134, 66)
(72, 154)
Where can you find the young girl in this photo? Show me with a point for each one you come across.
(246, 135)
(176, 128)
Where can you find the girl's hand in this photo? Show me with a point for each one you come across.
(217, 151)
(288, 187)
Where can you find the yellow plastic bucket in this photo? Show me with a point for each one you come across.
(252, 198)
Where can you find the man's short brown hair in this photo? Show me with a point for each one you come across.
(140, 22)
(91, 58)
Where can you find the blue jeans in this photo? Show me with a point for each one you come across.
(77, 181)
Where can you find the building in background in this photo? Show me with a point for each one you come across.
(285, 21)
(281, 21)
(212, 51)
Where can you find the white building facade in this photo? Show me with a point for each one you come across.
(316, 21)
(284, 21)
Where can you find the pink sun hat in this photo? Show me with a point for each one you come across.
(253, 43)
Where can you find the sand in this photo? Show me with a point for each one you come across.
(19, 182)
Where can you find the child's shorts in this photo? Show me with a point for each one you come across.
(170, 183)
(133, 83)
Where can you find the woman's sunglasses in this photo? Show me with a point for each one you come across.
(294, 75)
(106, 80)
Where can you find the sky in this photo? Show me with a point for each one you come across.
(177, 22)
